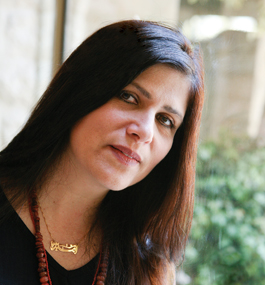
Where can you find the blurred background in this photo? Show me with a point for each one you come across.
(227, 241)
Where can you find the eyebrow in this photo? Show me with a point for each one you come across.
(142, 90)
(148, 96)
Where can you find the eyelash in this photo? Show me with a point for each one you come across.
(159, 117)
(130, 95)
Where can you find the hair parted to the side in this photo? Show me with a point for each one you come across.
(146, 225)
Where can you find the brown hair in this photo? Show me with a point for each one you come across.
(146, 225)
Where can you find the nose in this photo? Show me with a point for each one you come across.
(141, 127)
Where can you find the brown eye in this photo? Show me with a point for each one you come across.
(165, 121)
(128, 97)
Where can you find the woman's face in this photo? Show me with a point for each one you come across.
(118, 144)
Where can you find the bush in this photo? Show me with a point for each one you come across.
(227, 242)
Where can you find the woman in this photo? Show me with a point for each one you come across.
(103, 171)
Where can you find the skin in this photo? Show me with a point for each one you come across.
(144, 125)
(113, 147)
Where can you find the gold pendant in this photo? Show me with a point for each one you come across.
(64, 247)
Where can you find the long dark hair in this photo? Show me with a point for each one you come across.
(146, 225)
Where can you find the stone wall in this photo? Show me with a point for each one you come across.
(27, 31)
(26, 35)
(229, 63)
(235, 90)
(86, 16)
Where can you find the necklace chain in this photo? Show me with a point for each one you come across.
(56, 246)
(45, 221)
(43, 268)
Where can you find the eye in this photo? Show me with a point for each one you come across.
(128, 97)
(165, 121)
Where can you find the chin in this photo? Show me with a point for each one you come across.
(118, 182)
(121, 186)
(118, 187)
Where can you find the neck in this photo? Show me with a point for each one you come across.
(69, 201)
(42, 256)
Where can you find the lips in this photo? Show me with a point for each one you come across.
(127, 152)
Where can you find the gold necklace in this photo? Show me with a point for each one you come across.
(56, 246)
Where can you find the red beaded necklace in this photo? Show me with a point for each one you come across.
(43, 269)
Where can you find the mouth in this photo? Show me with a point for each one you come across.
(127, 152)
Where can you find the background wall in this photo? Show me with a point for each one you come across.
(234, 56)
(232, 38)
(27, 38)
(26, 29)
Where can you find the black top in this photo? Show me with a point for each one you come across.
(18, 261)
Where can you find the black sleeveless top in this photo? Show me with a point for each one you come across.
(18, 261)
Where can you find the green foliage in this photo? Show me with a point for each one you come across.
(227, 242)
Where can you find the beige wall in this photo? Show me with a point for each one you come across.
(26, 35)
(84, 17)
(26, 31)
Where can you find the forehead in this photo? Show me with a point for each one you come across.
(163, 76)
